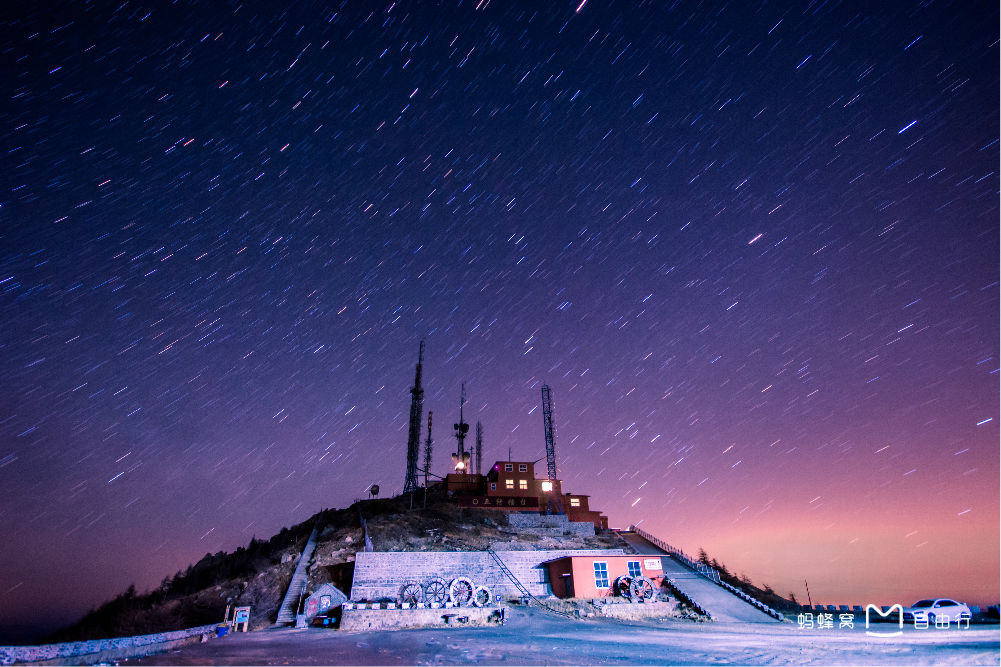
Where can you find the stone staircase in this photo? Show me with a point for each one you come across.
(287, 612)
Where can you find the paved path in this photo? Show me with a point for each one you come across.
(719, 602)
(532, 637)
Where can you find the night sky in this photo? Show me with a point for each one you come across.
(753, 248)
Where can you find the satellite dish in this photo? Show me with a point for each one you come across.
(374, 490)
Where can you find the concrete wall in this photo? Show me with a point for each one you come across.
(380, 574)
(102, 650)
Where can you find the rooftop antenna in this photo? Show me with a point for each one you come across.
(479, 448)
(414, 436)
(461, 457)
(427, 459)
(547, 421)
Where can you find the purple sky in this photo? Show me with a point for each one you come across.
(753, 250)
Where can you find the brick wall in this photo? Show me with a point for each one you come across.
(380, 574)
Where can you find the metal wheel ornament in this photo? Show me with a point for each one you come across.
(460, 592)
(621, 587)
(436, 591)
(640, 589)
(411, 592)
(481, 596)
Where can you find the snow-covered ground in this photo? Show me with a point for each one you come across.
(533, 637)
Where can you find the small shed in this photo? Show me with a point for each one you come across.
(595, 576)
(324, 599)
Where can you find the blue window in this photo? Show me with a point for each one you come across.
(600, 575)
(634, 568)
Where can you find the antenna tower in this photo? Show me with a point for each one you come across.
(427, 459)
(479, 447)
(427, 452)
(547, 421)
(461, 458)
(414, 436)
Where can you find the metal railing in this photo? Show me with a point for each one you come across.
(701, 568)
(682, 594)
(708, 572)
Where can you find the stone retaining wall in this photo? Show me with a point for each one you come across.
(655, 609)
(550, 524)
(103, 650)
(358, 620)
(381, 574)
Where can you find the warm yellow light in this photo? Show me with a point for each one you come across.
(547, 486)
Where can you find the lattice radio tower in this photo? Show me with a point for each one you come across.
(479, 447)
(414, 437)
(427, 452)
(547, 421)
(427, 460)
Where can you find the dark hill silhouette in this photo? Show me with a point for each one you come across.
(259, 573)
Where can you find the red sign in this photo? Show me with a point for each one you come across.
(500, 502)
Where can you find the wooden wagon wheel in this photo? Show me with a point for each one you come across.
(411, 593)
(621, 587)
(640, 589)
(460, 591)
(436, 591)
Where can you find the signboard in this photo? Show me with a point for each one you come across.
(241, 616)
(651, 564)
(500, 502)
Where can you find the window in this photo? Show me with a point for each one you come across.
(493, 486)
(600, 575)
(508, 467)
(523, 484)
(508, 483)
(634, 568)
(522, 467)
(575, 502)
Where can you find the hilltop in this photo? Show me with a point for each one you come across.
(259, 574)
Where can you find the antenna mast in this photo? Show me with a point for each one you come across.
(414, 436)
(461, 458)
(479, 447)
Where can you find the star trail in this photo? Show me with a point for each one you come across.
(752, 247)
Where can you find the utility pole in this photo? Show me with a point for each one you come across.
(414, 435)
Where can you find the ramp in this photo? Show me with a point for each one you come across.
(721, 604)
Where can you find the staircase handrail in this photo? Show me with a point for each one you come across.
(521, 587)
